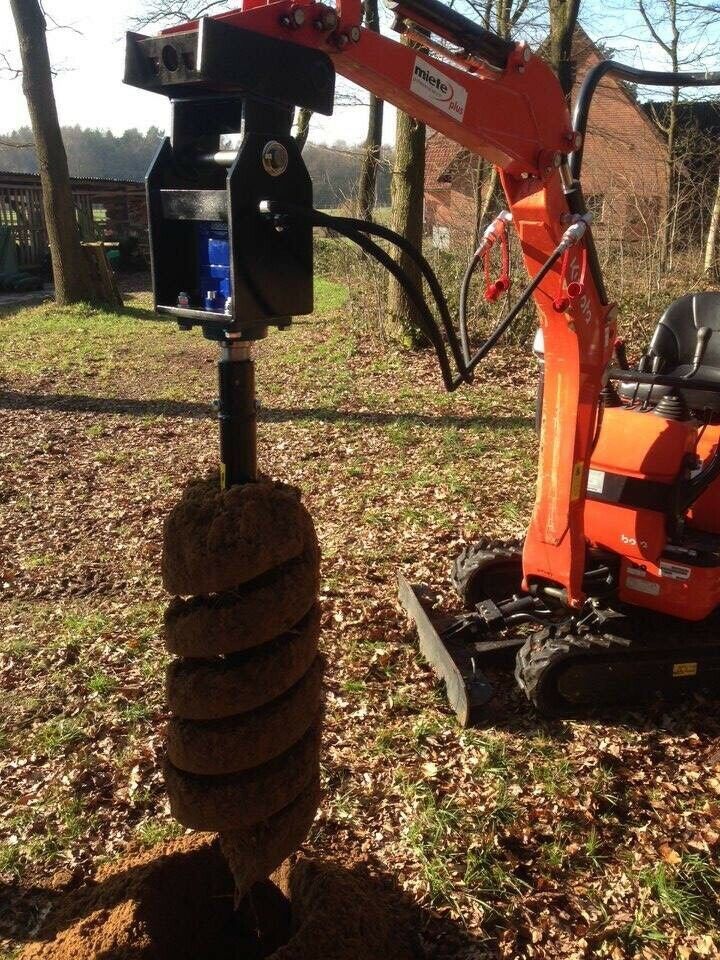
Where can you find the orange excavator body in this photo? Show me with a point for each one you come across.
(627, 501)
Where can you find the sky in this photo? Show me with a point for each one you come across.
(87, 49)
(89, 55)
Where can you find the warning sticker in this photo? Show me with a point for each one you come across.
(685, 669)
(437, 89)
(642, 586)
(675, 571)
(596, 481)
(577, 476)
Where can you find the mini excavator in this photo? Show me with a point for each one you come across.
(613, 594)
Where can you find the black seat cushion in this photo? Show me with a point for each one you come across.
(675, 340)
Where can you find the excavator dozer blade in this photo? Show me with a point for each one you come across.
(468, 689)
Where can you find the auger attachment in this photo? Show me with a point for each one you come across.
(240, 554)
(245, 691)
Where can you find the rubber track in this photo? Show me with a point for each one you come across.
(213, 540)
(534, 673)
(226, 686)
(243, 799)
(484, 554)
(543, 657)
(248, 616)
(251, 739)
(254, 854)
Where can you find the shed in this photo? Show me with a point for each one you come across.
(106, 210)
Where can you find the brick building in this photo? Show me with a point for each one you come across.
(624, 169)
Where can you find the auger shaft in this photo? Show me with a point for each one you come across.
(237, 413)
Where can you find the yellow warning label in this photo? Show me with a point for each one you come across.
(223, 476)
(576, 488)
(685, 669)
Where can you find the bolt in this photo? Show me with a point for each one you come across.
(326, 21)
(355, 34)
(341, 40)
(275, 158)
(294, 19)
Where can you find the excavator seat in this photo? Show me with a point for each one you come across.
(675, 340)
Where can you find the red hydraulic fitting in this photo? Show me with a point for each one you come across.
(495, 290)
(570, 290)
(496, 233)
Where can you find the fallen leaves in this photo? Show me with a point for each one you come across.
(524, 839)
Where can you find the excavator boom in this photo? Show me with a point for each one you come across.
(503, 103)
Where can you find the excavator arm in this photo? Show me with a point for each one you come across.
(503, 103)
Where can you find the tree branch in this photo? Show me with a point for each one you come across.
(7, 67)
(653, 32)
(178, 11)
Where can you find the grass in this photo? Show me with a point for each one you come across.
(521, 825)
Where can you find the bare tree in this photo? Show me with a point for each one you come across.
(73, 278)
(407, 193)
(683, 32)
(710, 262)
(502, 16)
(563, 20)
(669, 46)
(157, 12)
(372, 155)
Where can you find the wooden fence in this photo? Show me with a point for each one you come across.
(106, 209)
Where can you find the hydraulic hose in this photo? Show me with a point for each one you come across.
(464, 291)
(345, 225)
(355, 231)
(428, 324)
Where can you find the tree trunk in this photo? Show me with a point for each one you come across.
(671, 48)
(489, 191)
(302, 126)
(563, 20)
(372, 151)
(488, 183)
(70, 267)
(666, 242)
(372, 155)
(711, 259)
(407, 190)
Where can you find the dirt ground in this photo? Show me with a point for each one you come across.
(176, 902)
(521, 839)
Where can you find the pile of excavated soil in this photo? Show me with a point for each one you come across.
(176, 902)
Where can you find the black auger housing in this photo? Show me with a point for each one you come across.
(216, 261)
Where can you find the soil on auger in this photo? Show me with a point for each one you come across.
(214, 540)
(245, 692)
(177, 902)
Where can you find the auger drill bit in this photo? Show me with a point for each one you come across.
(245, 690)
